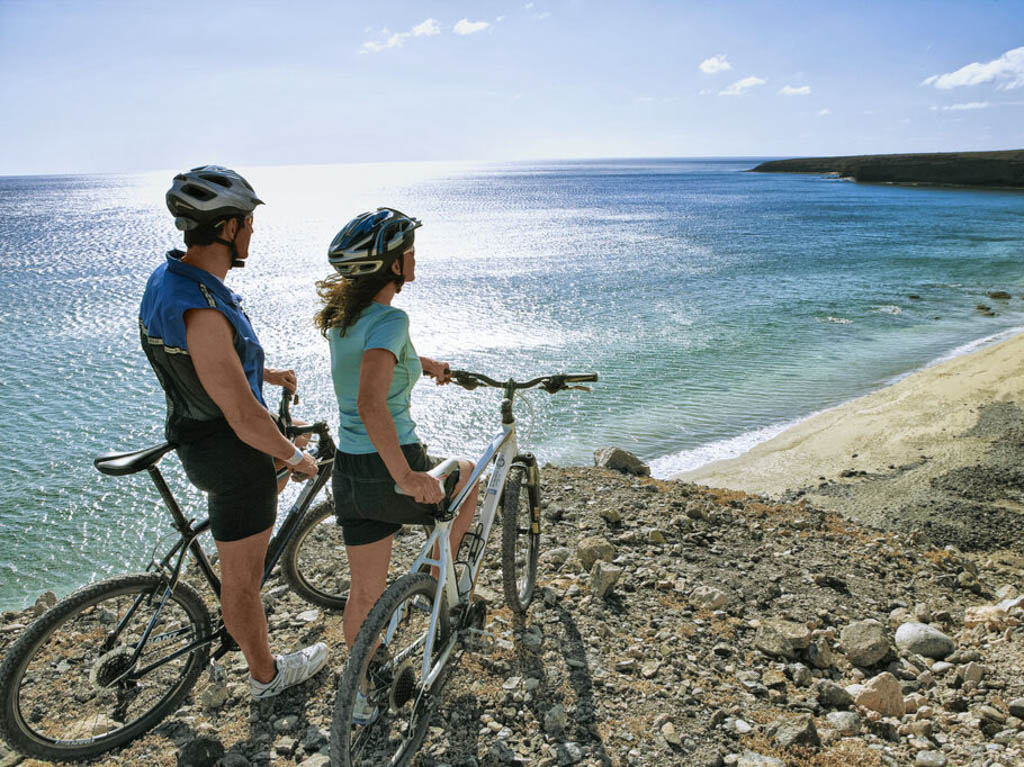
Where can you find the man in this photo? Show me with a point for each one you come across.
(210, 364)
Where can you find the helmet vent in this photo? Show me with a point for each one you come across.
(214, 178)
(198, 192)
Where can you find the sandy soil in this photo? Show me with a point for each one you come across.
(940, 452)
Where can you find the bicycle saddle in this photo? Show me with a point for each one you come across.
(119, 464)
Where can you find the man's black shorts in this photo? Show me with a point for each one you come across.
(365, 500)
(239, 481)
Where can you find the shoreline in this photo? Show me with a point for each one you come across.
(933, 451)
(729, 448)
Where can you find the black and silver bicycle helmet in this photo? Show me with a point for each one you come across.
(209, 195)
(370, 242)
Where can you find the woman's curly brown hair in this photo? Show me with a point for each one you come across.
(344, 298)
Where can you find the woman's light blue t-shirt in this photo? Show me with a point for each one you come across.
(378, 327)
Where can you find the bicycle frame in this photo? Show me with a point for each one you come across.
(189, 543)
(503, 450)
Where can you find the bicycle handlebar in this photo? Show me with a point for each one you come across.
(550, 384)
(325, 445)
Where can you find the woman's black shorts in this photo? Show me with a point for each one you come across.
(239, 480)
(365, 500)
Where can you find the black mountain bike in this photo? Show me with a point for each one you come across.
(110, 661)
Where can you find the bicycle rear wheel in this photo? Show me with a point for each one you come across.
(390, 671)
(520, 538)
(70, 689)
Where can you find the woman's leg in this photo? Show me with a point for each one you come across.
(462, 522)
(368, 565)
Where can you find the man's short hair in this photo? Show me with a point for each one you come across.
(203, 235)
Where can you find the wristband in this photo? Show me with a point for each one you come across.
(296, 458)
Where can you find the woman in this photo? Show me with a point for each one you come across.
(374, 367)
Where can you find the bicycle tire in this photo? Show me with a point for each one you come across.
(314, 564)
(48, 680)
(520, 538)
(322, 581)
(393, 680)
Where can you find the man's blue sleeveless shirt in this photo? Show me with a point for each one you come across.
(173, 289)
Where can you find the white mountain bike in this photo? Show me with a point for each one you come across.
(401, 656)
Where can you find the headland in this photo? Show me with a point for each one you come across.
(978, 169)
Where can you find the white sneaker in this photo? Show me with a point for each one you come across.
(363, 713)
(292, 669)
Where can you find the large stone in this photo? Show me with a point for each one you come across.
(831, 695)
(754, 759)
(1017, 708)
(819, 653)
(781, 638)
(864, 643)
(620, 460)
(846, 722)
(797, 731)
(883, 694)
(708, 598)
(555, 720)
(603, 578)
(592, 549)
(922, 639)
(201, 752)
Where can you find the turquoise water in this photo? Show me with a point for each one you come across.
(717, 306)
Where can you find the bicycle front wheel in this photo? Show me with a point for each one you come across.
(387, 666)
(73, 685)
(319, 579)
(314, 564)
(520, 538)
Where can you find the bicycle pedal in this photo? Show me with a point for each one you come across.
(217, 672)
(480, 640)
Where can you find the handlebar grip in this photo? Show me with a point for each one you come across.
(581, 377)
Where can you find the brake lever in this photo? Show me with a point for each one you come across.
(579, 388)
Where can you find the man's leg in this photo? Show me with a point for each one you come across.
(241, 567)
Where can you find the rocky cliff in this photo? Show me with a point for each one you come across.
(985, 169)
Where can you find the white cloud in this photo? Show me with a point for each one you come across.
(789, 90)
(824, 112)
(467, 27)
(740, 87)
(706, 92)
(1007, 72)
(428, 28)
(715, 64)
(960, 107)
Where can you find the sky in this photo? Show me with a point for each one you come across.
(92, 86)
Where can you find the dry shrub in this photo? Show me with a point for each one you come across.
(843, 753)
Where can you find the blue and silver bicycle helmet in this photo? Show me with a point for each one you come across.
(209, 195)
(370, 242)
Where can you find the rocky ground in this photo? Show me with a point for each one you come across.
(677, 625)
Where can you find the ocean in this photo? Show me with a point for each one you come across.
(718, 306)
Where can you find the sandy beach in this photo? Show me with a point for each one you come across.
(940, 452)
